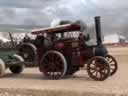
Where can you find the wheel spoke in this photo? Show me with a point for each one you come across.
(96, 73)
(111, 61)
(93, 71)
(102, 74)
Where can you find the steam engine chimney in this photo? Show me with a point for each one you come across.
(98, 30)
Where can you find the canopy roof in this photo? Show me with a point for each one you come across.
(58, 29)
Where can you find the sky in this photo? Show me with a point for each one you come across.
(24, 15)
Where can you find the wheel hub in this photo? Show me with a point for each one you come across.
(26, 55)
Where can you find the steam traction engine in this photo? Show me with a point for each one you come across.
(58, 56)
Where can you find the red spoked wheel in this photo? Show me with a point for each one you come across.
(112, 63)
(54, 65)
(98, 68)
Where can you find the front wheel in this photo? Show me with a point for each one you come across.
(2, 68)
(17, 69)
(98, 68)
(113, 64)
(54, 65)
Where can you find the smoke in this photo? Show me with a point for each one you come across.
(25, 15)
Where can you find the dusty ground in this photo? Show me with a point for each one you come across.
(31, 78)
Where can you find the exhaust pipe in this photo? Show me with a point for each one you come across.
(98, 29)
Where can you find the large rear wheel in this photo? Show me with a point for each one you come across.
(29, 52)
(54, 65)
(98, 68)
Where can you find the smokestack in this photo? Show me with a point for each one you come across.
(98, 30)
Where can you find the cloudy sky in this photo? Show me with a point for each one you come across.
(24, 15)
